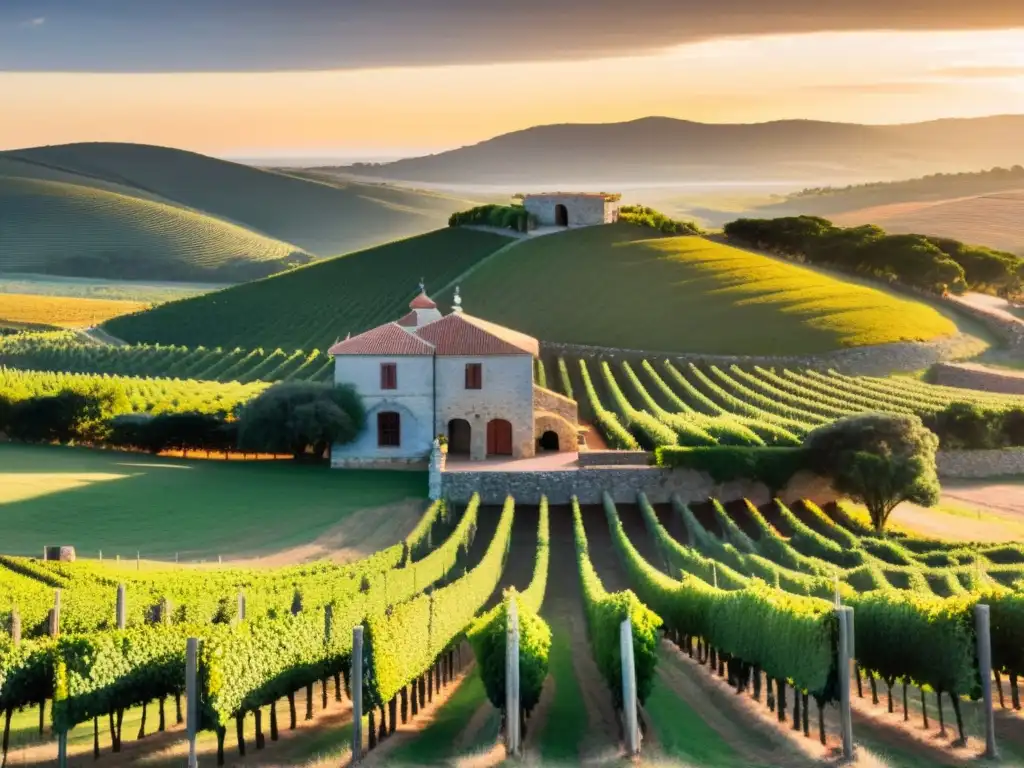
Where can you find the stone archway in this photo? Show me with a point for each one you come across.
(548, 441)
(561, 216)
(460, 437)
(566, 436)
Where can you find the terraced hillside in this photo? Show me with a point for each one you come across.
(70, 229)
(310, 308)
(110, 210)
(624, 286)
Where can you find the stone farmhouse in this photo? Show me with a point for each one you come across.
(572, 209)
(427, 375)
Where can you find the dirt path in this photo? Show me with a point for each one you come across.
(563, 609)
(522, 552)
(360, 534)
(594, 439)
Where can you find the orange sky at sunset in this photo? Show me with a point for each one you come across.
(875, 77)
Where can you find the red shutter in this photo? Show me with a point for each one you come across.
(474, 376)
(388, 376)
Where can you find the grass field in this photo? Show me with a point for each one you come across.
(110, 290)
(62, 311)
(220, 205)
(619, 286)
(124, 502)
(312, 307)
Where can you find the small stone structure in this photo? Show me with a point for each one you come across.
(65, 553)
(572, 209)
(978, 377)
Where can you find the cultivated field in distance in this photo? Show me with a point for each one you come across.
(37, 310)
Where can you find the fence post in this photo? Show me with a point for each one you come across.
(357, 694)
(846, 716)
(714, 575)
(122, 607)
(328, 622)
(55, 614)
(192, 697)
(512, 706)
(15, 626)
(629, 687)
(981, 628)
(62, 749)
(241, 605)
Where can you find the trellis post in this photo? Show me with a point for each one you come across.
(122, 607)
(512, 705)
(192, 698)
(629, 687)
(845, 615)
(357, 694)
(982, 632)
(55, 614)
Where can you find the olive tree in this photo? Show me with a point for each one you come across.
(879, 460)
(296, 417)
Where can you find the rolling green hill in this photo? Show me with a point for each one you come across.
(62, 228)
(311, 307)
(621, 286)
(137, 211)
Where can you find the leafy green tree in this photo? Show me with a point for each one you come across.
(879, 460)
(296, 417)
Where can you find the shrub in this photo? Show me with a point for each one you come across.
(501, 216)
(648, 217)
(292, 417)
(63, 417)
(879, 460)
(772, 466)
(967, 426)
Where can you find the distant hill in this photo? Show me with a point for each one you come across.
(130, 210)
(618, 285)
(658, 149)
(312, 307)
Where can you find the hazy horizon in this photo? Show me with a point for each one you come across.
(318, 79)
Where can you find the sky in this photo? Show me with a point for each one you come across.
(384, 78)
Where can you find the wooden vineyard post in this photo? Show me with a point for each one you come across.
(629, 688)
(191, 698)
(122, 607)
(512, 706)
(62, 749)
(982, 632)
(357, 694)
(241, 605)
(846, 716)
(15, 626)
(55, 614)
(714, 575)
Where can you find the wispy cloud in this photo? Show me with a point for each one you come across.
(33, 23)
(984, 72)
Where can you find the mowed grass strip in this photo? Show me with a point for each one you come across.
(122, 503)
(625, 286)
(313, 306)
(62, 311)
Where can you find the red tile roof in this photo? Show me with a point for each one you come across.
(459, 334)
(384, 340)
(422, 302)
(407, 321)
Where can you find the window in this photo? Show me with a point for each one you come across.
(474, 376)
(389, 430)
(389, 376)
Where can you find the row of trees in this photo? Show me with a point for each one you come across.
(935, 264)
(643, 216)
(298, 418)
(502, 216)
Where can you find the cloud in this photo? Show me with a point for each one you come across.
(269, 35)
(38, 21)
(983, 72)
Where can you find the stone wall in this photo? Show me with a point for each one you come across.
(583, 210)
(623, 483)
(974, 465)
(1004, 325)
(552, 402)
(969, 376)
(615, 458)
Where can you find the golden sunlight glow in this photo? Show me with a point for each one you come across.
(877, 77)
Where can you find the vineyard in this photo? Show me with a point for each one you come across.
(724, 594)
(311, 307)
(18, 309)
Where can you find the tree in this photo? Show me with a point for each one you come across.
(293, 417)
(879, 460)
(65, 416)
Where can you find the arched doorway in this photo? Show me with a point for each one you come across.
(459, 437)
(561, 216)
(548, 441)
(499, 437)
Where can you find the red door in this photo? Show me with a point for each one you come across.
(499, 438)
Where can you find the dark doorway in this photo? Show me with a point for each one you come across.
(561, 216)
(548, 441)
(459, 437)
(499, 438)
(389, 430)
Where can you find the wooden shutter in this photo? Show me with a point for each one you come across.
(388, 376)
(474, 376)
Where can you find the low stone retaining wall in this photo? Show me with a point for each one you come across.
(1004, 325)
(623, 483)
(615, 458)
(976, 465)
(978, 377)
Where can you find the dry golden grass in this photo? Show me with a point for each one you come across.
(61, 311)
(995, 220)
